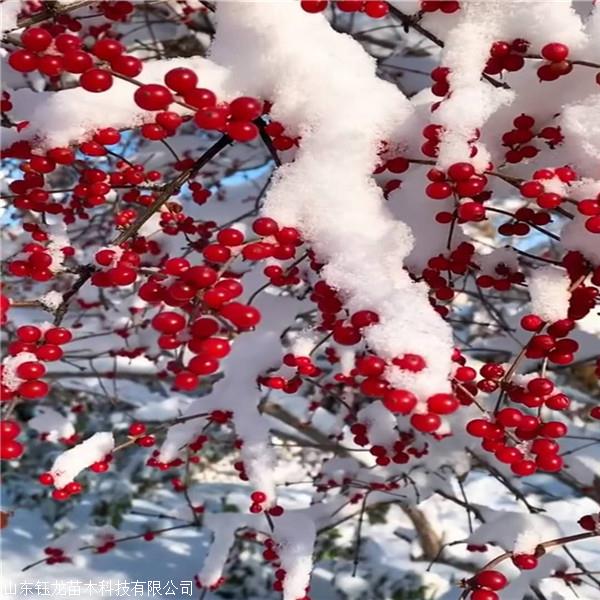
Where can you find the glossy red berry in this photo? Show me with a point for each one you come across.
(494, 580)
(399, 401)
(555, 52)
(245, 108)
(36, 39)
(426, 423)
(31, 370)
(168, 322)
(152, 96)
(442, 404)
(181, 79)
(23, 61)
(96, 80)
(10, 450)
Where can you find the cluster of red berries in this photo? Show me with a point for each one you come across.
(506, 56)
(518, 140)
(281, 142)
(10, 448)
(270, 555)
(502, 278)
(56, 556)
(38, 264)
(446, 6)
(542, 449)
(457, 261)
(399, 452)
(590, 208)
(234, 118)
(554, 344)
(558, 65)
(45, 347)
(372, 8)
(53, 55)
(304, 367)
(522, 220)
(462, 182)
(121, 268)
(72, 488)
(215, 586)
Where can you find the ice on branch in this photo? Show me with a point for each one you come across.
(549, 292)
(70, 463)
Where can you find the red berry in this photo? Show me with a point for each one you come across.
(245, 109)
(181, 79)
(549, 462)
(494, 580)
(46, 479)
(525, 561)
(241, 315)
(264, 226)
(375, 9)
(439, 190)
(58, 336)
(186, 381)
(108, 49)
(9, 430)
(242, 131)
(168, 322)
(427, 423)
(555, 52)
(399, 401)
(10, 450)
(258, 497)
(23, 61)
(131, 66)
(96, 80)
(36, 39)
(442, 404)
(31, 370)
(152, 96)
(314, 6)
(29, 333)
(461, 171)
(33, 389)
(136, 429)
(531, 322)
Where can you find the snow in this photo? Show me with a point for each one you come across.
(295, 533)
(465, 54)
(10, 365)
(327, 192)
(52, 423)
(69, 116)
(223, 527)
(549, 291)
(324, 88)
(237, 392)
(51, 300)
(70, 463)
(9, 11)
(574, 235)
(581, 125)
